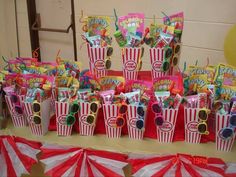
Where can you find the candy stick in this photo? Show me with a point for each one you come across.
(117, 28)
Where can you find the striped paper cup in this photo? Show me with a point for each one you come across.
(17, 119)
(222, 121)
(166, 132)
(85, 128)
(62, 110)
(53, 99)
(156, 58)
(110, 112)
(132, 118)
(130, 58)
(191, 122)
(97, 57)
(38, 129)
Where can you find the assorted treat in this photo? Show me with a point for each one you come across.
(33, 89)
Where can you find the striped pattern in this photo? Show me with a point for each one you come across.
(62, 110)
(18, 120)
(53, 99)
(85, 128)
(156, 58)
(110, 112)
(130, 57)
(190, 122)
(165, 132)
(132, 117)
(222, 121)
(35, 129)
(97, 55)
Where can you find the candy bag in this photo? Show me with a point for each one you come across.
(143, 86)
(176, 20)
(107, 96)
(198, 82)
(99, 25)
(116, 83)
(224, 71)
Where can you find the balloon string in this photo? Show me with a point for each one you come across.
(116, 20)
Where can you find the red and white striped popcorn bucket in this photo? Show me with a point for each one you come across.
(166, 132)
(222, 121)
(157, 57)
(85, 128)
(62, 110)
(53, 99)
(191, 121)
(17, 119)
(130, 59)
(97, 56)
(38, 129)
(132, 117)
(110, 112)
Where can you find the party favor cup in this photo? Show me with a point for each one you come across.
(130, 59)
(42, 128)
(222, 121)
(132, 119)
(97, 57)
(19, 120)
(85, 128)
(62, 110)
(53, 99)
(191, 122)
(110, 112)
(166, 132)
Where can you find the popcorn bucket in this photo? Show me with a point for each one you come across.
(42, 128)
(110, 112)
(132, 118)
(85, 128)
(157, 57)
(166, 132)
(97, 57)
(191, 121)
(130, 58)
(53, 99)
(222, 121)
(18, 120)
(62, 110)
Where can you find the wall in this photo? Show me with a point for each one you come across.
(206, 25)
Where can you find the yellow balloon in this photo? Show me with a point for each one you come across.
(230, 46)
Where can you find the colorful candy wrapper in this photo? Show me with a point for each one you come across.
(223, 71)
(107, 96)
(99, 25)
(197, 82)
(83, 94)
(227, 92)
(143, 86)
(111, 83)
(133, 97)
(176, 20)
(192, 101)
(161, 96)
(202, 100)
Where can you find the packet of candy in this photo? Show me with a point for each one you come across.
(192, 101)
(95, 41)
(161, 96)
(99, 25)
(131, 24)
(174, 84)
(107, 96)
(164, 39)
(177, 101)
(202, 100)
(9, 89)
(224, 71)
(116, 83)
(195, 70)
(83, 94)
(197, 82)
(133, 97)
(176, 20)
(143, 86)
(227, 92)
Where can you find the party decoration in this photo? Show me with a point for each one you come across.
(17, 155)
(74, 161)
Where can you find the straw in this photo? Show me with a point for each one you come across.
(117, 28)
